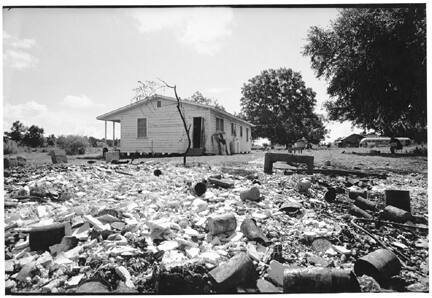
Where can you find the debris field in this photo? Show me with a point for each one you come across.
(163, 228)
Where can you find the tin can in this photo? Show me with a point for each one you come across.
(200, 188)
(353, 194)
(396, 214)
(364, 203)
(319, 280)
(380, 264)
(221, 224)
(354, 210)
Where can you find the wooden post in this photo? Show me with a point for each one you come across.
(105, 132)
(114, 134)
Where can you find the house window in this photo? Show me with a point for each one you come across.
(233, 129)
(241, 131)
(159, 103)
(142, 127)
(219, 124)
(247, 134)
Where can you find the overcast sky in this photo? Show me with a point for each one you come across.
(64, 67)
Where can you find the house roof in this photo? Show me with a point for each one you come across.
(157, 96)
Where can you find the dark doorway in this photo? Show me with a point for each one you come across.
(197, 133)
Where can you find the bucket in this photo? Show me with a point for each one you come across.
(319, 280)
(364, 204)
(380, 264)
(398, 198)
(41, 238)
(221, 224)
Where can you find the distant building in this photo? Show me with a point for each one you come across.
(352, 140)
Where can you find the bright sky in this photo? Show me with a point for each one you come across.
(64, 67)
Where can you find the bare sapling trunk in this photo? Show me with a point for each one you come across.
(182, 116)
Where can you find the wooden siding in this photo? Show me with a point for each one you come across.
(240, 141)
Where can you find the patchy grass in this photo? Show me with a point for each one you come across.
(339, 157)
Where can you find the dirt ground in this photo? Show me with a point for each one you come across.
(345, 158)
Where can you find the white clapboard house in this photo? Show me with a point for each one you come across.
(153, 125)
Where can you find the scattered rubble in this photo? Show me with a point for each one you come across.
(168, 229)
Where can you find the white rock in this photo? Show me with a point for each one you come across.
(97, 224)
(42, 211)
(75, 280)
(168, 245)
(331, 252)
(199, 205)
(173, 258)
(192, 252)
(210, 257)
(191, 232)
(342, 250)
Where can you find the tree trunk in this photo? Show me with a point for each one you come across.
(187, 129)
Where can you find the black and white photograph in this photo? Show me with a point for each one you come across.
(215, 148)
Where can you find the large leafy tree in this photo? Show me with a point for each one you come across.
(375, 62)
(281, 107)
(34, 136)
(17, 131)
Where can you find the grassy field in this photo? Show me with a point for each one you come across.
(346, 158)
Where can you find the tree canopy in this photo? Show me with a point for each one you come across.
(198, 97)
(17, 131)
(34, 136)
(375, 62)
(281, 107)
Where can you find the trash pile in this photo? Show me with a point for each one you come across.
(167, 229)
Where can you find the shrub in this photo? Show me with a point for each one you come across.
(73, 144)
(10, 147)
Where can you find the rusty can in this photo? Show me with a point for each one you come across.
(364, 204)
(396, 214)
(319, 280)
(353, 194)
(200, 188)
(221, 224)
(398, 198)
(354, 210)
(330, 195)
(380, 264)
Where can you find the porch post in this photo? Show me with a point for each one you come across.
(113, 134)
(105, 132)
